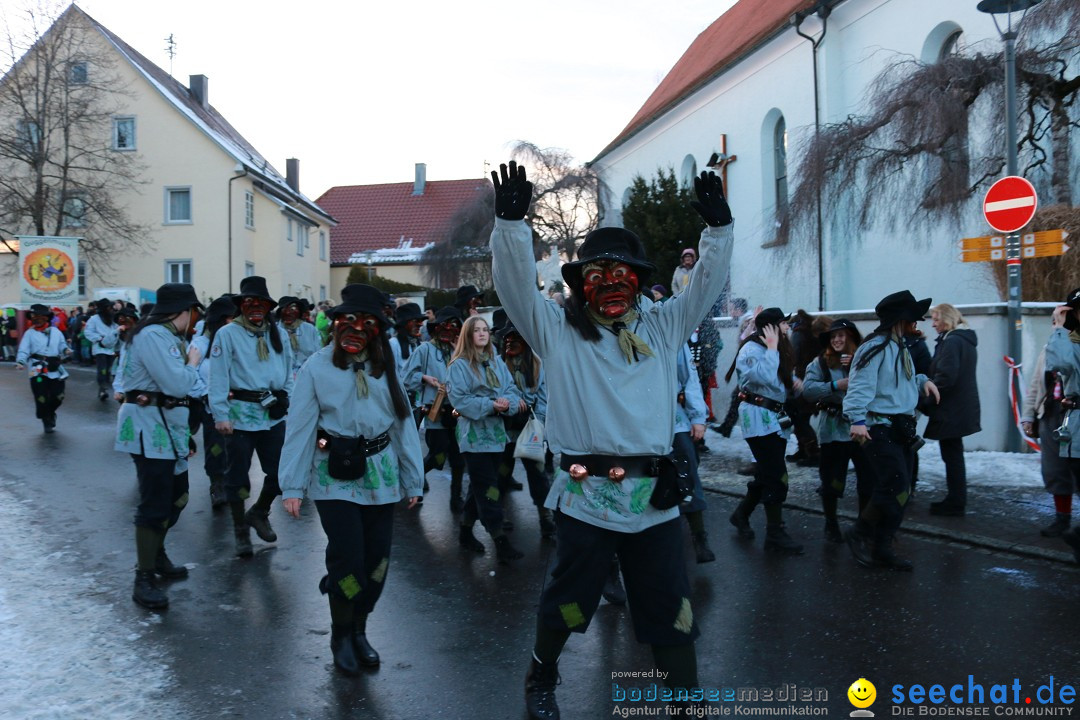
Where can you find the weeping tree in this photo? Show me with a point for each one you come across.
(462, 256)
(658, 211)
(60, 173)
(933, 134)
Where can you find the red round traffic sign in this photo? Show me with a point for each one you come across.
(1010, 204)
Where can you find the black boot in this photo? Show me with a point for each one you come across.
(701, 547)
(164, 567)
(243, 541)
(614, 592)
(456, 503)
(147, 593)
(540, 682)
(1072, 539)
(365, 654)
(1058, 527)
(50, 423)
(260, 521)
(547, 523)
(341, 645)
(217, 491)
(468, 541)
(776, 538)
(505, 552)
(832, 530)
(741, 520)
(884, 556)
(858, 541)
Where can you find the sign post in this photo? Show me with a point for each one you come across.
(48, 269)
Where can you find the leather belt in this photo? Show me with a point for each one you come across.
(255, 396)
(144, 398)
(760, 401)
(610, 466)
(374, 446)
(830, 409)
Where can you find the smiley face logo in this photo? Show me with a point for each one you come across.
(862, 693)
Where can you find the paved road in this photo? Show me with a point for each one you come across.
(249, 638)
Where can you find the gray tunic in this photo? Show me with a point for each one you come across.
(818, 388)
(882, 386)
(237, 367)
(757, 368)
(307, 337)
(598, 402)
(156, 360)
(480, 429)
(325, 397)
(426, 360)
(104, 337)
(1063, 357)
(50, 343)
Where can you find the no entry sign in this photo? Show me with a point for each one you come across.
(1010, 204)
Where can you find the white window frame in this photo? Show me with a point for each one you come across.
(82, 272)
(322, 244)
(169, 191)
(29, 135)
(322, 293)
(249, 269)
(301, 238)
(780, 168)
(288, 232)
(72, 66)
(249, 209)
(116, 122)
(179, 265)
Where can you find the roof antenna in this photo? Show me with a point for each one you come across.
(170, 50)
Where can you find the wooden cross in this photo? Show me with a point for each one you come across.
(721, 160)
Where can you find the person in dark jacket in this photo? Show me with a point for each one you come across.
(915, 342)
(957, 416)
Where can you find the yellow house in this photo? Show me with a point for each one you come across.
(214, 209)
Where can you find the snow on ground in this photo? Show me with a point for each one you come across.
(65, 651)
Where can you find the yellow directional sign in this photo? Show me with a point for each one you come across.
(1046, 243)
(1046, 237)
(1043, 250)
(983, 255)
(982, 243)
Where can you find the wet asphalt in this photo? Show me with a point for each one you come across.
(250, 638)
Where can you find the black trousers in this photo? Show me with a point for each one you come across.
(892, 464)
(104, 364)
(442, 444)
(771, 475)
(48, 395)
(835, 458)
(653, 569)
(357, 550)
(682, 445)
(240, 446)
(215, 456)
(483, 499)
(952, 454)
(162, 494)
(539, 483)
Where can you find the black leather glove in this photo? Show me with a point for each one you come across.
(513, 192)
(711, 204)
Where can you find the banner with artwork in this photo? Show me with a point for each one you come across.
(48, 269)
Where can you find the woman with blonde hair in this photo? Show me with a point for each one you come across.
(483, 393)
(957, 415)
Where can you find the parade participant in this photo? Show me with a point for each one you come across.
(249, 396)
(1063, 358)
(617, 488)
(528, 374)
(126, 318)
(42, 350)
(690, 414)
(426, 373)
(352, 448)
(882, 392)
(469, 300)
(824, 386)
(303, 337)
(215, 457)
(102, 331)
(406, 340)
(152, 426)
(483, 393)
(765, 366)
(681, 278)
(957, 415)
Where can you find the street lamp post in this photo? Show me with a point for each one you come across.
(1012, 244)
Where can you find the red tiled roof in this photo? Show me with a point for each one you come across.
(733, 35)
(371, 217)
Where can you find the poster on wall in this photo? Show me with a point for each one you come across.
(48, 269)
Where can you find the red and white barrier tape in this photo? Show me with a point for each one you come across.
(1016, 388)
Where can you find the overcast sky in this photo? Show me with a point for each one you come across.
(361, 91)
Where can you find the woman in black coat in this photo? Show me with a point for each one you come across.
(957, 415)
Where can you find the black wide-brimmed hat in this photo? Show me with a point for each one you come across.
(465, 293)
(900, 306)
(287, 300)
(498, 319)
(841, 324)
(359, 298)
(104, 304)
(254, 286)
(769, 316)
(442, 315)
(127, 312)
(506, 329)
(609, 243)
(1073, 300)
(39, 309)
(387, 300)
(175, 298)
(220, 309)
(407, 312)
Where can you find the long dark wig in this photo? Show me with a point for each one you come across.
(890, 335)
(379, 352)
(787, 356)
(148, 320)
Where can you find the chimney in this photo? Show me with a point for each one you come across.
(421, 179)
(198, 86)
(292, 174)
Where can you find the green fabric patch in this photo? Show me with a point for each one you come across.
(784, 480)
(573, 487)
(572, 615)
(159, 438)
(216, 449)
(492, 494)
(244, 493)
(40, 398)
(389, 469)
(182, 501)
(323, 470)
(608, 496)
(350, 586)
(684, 621)
(371, 477)
(380, 571)
(902, 498)
(639, 497)
(127, 430)
(838, 485)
